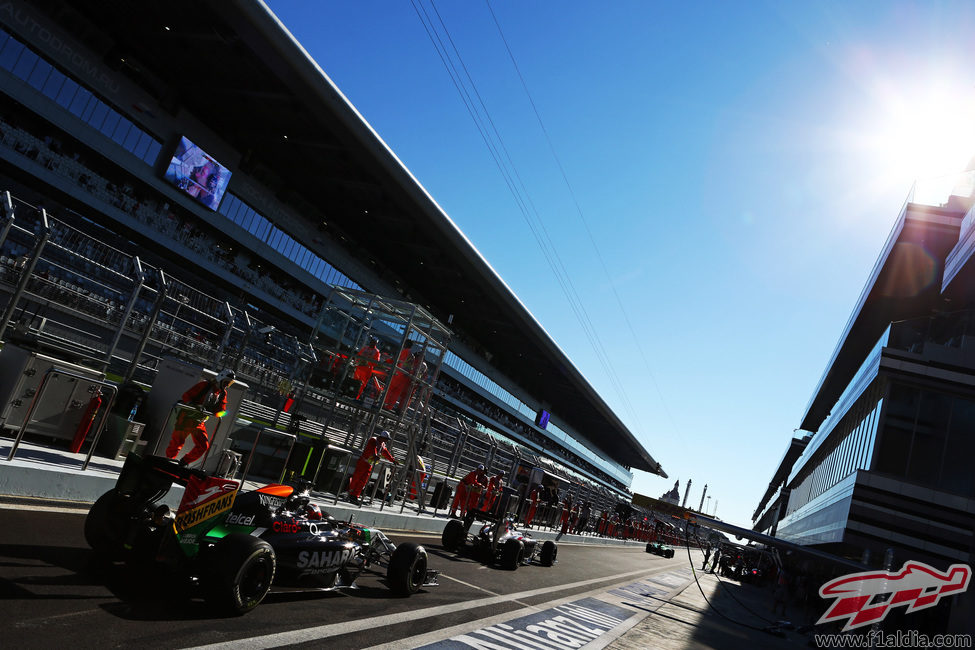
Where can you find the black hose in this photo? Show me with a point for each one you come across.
(687, 545)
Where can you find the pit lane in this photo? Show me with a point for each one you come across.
(52, 593)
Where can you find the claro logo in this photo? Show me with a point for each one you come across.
(862, 597)
(286, 526)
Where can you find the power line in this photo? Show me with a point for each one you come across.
(522, 197)
(582, 218)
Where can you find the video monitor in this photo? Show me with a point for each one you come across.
(541, 420)
(197, 174)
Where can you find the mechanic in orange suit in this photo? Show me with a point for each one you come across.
(375, 449)
(364, 371)
(208, 397)
(400, 381)
(566, 506)
(475, 477)
(494, 486)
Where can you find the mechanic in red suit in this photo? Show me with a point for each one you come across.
(603, 524)
(400, 381)
(375, 449)
(364, 371)
(566, 507)
(495, 483)
(533, 497)
(475, 479)
(208, 397)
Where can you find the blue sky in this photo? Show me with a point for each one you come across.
(738, 165)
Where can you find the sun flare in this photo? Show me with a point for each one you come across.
(927, 133)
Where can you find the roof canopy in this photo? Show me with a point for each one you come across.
(260, 85)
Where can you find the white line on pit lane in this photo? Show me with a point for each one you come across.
(320, 632)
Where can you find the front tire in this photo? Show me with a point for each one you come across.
(512, 554)
(242, 570)
(453, 535)
(407, 568)
(549, 552)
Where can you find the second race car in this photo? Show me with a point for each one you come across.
(498, 542)
(663, 550)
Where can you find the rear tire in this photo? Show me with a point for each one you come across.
(512, 554)
(242, 569)
(407, 568)
(453, 535)
(105, 526)
(550, 551)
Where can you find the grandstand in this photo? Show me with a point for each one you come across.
(107, 262)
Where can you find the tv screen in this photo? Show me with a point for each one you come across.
(197, 174)
(542, 419)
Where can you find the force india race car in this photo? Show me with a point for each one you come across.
(499, 542)
(663, 550)
(233, 545)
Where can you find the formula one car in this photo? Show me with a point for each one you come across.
(663, 550)
(499, 542)
(233, 546)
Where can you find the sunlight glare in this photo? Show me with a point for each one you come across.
(928, 133)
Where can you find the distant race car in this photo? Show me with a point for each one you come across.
(498, 542)
(662, 550)
(232, 545)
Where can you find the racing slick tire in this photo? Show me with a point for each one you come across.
(407, 569)
(105, 526)
(670, 553)
(550, 551)
(649, 547)
(241, 570)
(512, 554)
(453, 535)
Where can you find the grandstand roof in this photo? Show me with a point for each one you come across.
(260, 81)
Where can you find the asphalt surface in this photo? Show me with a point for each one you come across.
(52, 592)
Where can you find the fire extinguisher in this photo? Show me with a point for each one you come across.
(86, 421)
(289, 402)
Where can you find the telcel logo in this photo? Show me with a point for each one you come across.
(240, 519)
(860, 596)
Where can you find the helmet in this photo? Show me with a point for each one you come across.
(480, 468)
(225, 375)
(384, 435)
(313, 512)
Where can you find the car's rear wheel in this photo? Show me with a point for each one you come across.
(407, 568)
(105, 526)
(550, 551)
(512, 554)
(241, 570)
(649, 547)
(453, 534)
